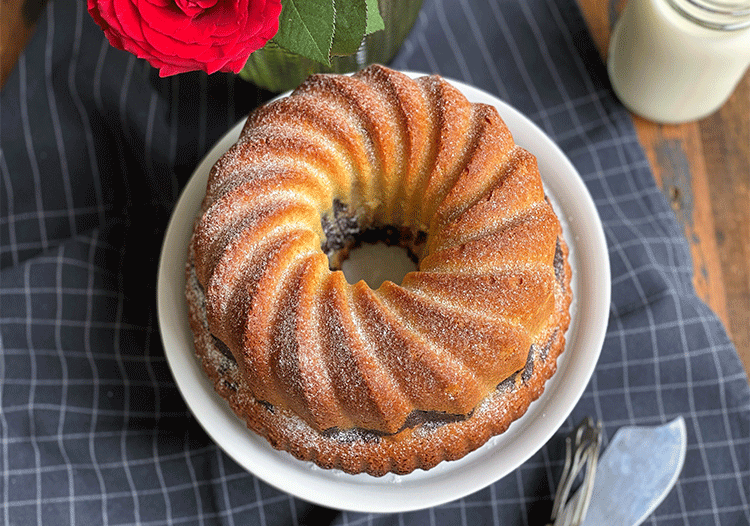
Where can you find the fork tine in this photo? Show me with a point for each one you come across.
(562, 490)
(581, 452)
(587, 487)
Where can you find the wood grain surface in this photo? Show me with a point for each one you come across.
(702, 167)
(17, 21)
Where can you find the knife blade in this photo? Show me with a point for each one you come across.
(634, 474)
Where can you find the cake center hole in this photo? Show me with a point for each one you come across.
(377, 262)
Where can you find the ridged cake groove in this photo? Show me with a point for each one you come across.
(410, 374)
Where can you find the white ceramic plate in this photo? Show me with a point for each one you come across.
(449, 480)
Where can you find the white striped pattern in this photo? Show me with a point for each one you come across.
(94, 151)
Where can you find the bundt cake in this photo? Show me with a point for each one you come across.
(411, 374)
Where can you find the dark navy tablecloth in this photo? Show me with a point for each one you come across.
(95, 150)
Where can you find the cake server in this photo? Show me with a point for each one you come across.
(623, 487)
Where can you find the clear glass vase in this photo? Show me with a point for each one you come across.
(277, 70)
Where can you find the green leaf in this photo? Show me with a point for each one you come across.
(374, 20)
(306, 27)
(351, 22)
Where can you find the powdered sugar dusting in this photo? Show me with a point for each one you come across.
(326, 369)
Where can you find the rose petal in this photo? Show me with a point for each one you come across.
(126, 19)
(192, 8)
(183, 35)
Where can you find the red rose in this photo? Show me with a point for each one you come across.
(185, 35)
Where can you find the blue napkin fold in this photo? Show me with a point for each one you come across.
(95, 149)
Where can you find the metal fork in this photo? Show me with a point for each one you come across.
(581, 455)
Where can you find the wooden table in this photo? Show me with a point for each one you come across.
(702, 167)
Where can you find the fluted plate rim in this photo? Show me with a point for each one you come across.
(448, 481)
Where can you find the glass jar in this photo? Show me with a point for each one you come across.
(675, 61)
(277, 70)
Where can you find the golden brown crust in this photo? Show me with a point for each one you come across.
(422, 447)
(408, 375)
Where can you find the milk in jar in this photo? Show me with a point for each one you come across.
(674, 61)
